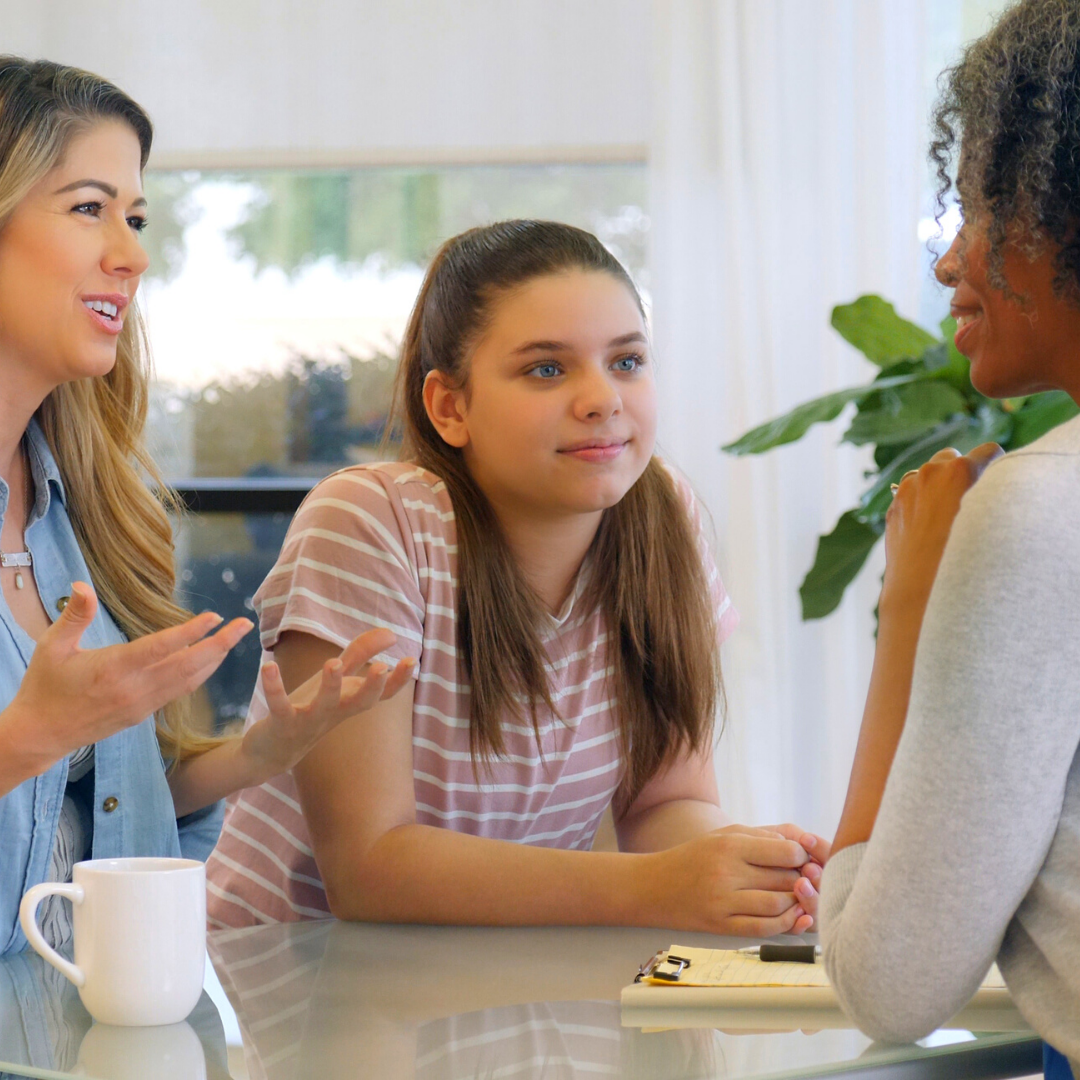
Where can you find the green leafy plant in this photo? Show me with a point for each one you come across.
(920, 402)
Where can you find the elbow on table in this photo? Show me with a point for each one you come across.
(362, 887)
(889, 1010)
(351, 898)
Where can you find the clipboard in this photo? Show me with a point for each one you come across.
(664, 995)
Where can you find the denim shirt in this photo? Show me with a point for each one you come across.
(133, 808)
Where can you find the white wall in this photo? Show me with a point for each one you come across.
(279, 82)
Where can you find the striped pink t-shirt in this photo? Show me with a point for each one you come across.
(376, 545)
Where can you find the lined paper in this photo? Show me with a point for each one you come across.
(725, 967)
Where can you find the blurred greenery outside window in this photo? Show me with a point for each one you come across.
(275, 302)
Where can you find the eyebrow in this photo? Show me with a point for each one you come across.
(561, 346)
(100, 185)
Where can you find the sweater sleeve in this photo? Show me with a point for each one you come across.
(912, 919)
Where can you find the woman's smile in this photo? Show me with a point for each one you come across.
(106, 310)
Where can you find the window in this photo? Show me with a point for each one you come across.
(275, 304)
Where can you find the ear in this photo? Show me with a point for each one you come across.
(446, 409)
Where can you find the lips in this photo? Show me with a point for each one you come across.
(968, 319)
(595, 450)
(106, 310)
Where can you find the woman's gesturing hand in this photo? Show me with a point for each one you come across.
(920, 519)
(297, 721)
(70, 696)
(737, 881)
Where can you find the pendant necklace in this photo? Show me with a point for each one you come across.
(18, 559)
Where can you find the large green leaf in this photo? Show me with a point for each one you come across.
(1039, 414)
(794, 425)
(962, 433)
(840, 556)
(883, 337)
(906, 413)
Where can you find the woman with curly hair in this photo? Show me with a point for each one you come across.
(962, 820)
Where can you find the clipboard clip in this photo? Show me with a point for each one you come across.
(662, 965)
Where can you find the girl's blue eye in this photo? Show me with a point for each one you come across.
(546, 371)
(629, 363)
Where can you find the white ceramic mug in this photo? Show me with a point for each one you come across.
(140, 937)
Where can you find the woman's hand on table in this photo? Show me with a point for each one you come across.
(740, 881)
(345, 686)
(71, 697)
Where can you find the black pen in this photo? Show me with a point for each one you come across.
(792, 954)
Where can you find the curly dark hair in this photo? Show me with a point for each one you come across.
(1013, 101)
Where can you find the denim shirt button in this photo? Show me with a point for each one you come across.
(110, 804)
(62, 603)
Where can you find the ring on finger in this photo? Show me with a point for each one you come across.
(894, 488)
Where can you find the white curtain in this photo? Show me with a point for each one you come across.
(787, 163)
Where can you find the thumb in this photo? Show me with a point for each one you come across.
(77, 615)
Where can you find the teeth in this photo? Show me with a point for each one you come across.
(965, 320)
(103, 306)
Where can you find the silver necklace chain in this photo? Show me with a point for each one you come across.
(17, 560)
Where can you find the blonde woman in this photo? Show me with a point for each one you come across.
(89, 718)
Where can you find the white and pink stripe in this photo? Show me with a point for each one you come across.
(376, 545)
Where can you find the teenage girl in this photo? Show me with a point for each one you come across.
(552, 578)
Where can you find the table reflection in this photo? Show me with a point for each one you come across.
(45, 1030)
(329, 1000)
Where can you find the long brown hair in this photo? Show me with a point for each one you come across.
(650, 584)
(95, 426)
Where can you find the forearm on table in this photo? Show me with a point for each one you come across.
(668, 824)
(423, 874)
(882, 725)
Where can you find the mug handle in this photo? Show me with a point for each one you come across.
(28, 920)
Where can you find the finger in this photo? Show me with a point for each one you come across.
(803, 923)
(188, 669)
(807, 895)
(812, 872)
(817, 846)
(366, 691)
(753, 926)
(398, 678)
(159, 646)
(767, 851)
(764, 877)
(277, 700)
(328, 695)
(361, 650)
(946, 455)
(982, 456)
(76, 616)
(763, 902)
(751, 830)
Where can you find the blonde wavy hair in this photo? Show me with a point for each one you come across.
(94, 426)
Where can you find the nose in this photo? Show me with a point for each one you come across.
(598, 397)
(124, 256)
(948, 268)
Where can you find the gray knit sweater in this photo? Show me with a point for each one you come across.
(976, 849)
